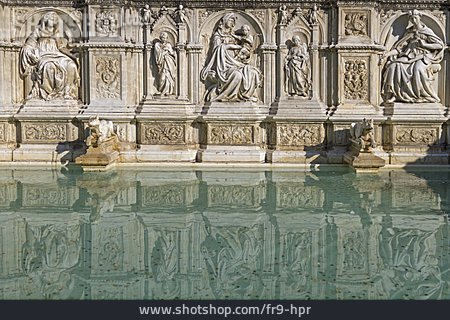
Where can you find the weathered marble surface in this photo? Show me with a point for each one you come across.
(186, 82)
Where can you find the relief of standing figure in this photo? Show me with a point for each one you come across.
(297, 70)
(166, 65)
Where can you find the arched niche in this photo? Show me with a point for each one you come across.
(155, 38)
(70, 26)
(210, 26)
(166, 21)
(300, 23)
(397, 25)
(298, 26)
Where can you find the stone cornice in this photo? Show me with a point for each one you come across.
(224, 4)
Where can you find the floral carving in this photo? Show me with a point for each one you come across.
(385, 15)
(294, 196)
(202, 15)
(110, 256)
(44, 132)
(416, 135)
(108, 77)
(38, 196)
(260, 15)
(356, 80)
(2, 132)
(228, 134)
(355, 252)
(355, 24)
(298, 135)
(163, 134)
(168, 195)
(232, 195)
(106, 23)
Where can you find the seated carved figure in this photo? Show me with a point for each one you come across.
(409, 73)
(361, 133)
(46, 59)
(227, 74)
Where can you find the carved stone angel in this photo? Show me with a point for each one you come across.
(47, 60)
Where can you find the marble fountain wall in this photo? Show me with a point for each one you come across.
(226, 81)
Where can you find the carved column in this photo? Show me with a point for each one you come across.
(194, 51)
(146, 65)
(315, 62)
(269, 62)
(282, 52)
(182, 61)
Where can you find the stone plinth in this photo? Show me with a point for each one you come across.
(296, 131)
(414, 111)
(362, 161)
(166, 131)
(414, 134)
(232, 132)
(102, 157)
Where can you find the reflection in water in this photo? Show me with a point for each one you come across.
(224, 235)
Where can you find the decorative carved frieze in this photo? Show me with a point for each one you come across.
(165, 195)
(295, 196)
(259, 14)
(203, 14)
(162, 133)
(2, 132)
(231, 134)
(416, 135)
(299, 135)
(44, 132)
(385, 15)
(106, 23)
(39, 196)
(356, 24)
(233, 195)
(108, 77)
(356, 80)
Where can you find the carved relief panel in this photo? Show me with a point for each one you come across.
(105, 22)
(230, 42)
(355, 25)
(38, 132)
(108, 77)
(407, 135)
(231, 134)
(354, 78)
(2, 132)
(162, 133)
(48, 58)
(292, 135)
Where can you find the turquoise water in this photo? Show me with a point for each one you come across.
(224, 234)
